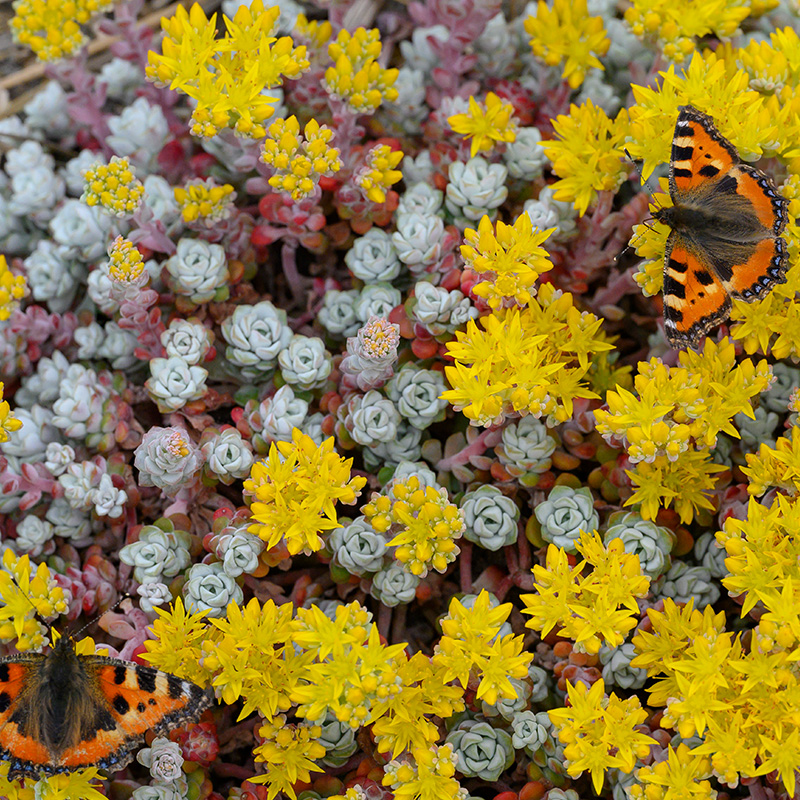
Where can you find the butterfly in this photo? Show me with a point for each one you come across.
(63, 711)
(726, 219)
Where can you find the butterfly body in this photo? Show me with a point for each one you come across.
(726, 223)
(62, 711)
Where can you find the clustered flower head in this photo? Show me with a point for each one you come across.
(299, 160)
(113, 186)
(592, 609)
(513, 254)
(204, 200)
(52, 29)
(227, 77)
(12, 289)
(356, 77)
(294, 491)
(509, 367)
(566, 33)
(486, 123)
(424, 522)
(378, 172)
(669, 428)
(27, 593)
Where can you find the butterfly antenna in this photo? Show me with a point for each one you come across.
(99, 616)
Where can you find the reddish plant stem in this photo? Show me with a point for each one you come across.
(465, 567)
(384, 621)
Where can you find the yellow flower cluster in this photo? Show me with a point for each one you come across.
(567, 34)
(178, 637)
(599, 607)
(683, 774)
(428, 775)
(299, 160)
(125, 263)
(470, 645)
(12, 289)
(675, 26)
(529, 361)
(8, 422)
(741, 701)
(290, 752)
(319, 665)
(668, 427)
(25, 593)
(113, 186)
(295, 490)
(83, 783)
(587, 154)
(676, 408)
(378, 172)
(202, 199)
(599, 732)
(508, 261)
(486, 123)
(777, 466)
(227, 77)
(51, 28)
(317, 33)
(424, 522)
(356, 76)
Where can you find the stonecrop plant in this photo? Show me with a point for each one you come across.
(418, 380)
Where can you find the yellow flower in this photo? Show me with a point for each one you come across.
(587, 154)
(295, 489)
(68, 786)
(12, 289)
(125, 262)
(681, 775)
(600, 733)
(8, 422)
(530, 361)
(202, 199)
(299, 160)
(424, 522)
(675, 24)
(593, 609)
(486, 123)
(566, 33)
(227, 77)
(378, 172)
(356, 77)
(51, 28)
(509, 260)
(428, 774)
(176, 646)
(114, 187)
(24, 594)
(290, 752)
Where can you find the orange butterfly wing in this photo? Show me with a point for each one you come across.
(61, 711)
(695, 299)
(132, 700)
(726, 223)
(15, 679)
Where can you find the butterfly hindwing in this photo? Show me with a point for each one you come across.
(694, 298)
(17, 675)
